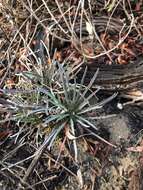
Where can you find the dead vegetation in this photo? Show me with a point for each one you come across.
(71, 78)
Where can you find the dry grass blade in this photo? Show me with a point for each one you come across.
(47, 143)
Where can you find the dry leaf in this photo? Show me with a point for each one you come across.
(69, 135)
(121, 60)
(135, 149)
(80, 178)
(9, 83)
(89, 29)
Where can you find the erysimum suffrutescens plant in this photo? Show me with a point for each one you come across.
(67, 104)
